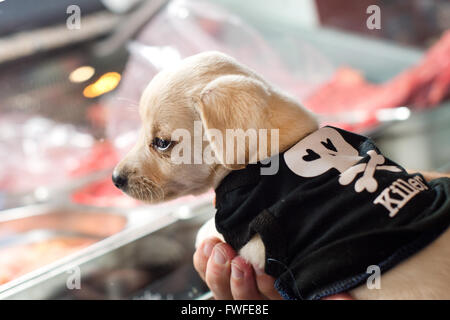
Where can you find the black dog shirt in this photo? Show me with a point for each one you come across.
(335, 207)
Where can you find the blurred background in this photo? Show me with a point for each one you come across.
(71, 74)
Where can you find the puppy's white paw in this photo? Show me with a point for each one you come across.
(208, 230)
(254, 252)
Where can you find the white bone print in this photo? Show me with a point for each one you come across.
(326, 149)
(367, 181)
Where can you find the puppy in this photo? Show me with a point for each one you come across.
(214, 90)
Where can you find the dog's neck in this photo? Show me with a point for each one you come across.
(220, 172)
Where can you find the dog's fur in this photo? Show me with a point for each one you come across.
(223, 94)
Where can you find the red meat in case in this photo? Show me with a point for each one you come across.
(102, 156)
(422, 86)
(103, 194)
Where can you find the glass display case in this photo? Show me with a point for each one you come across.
(68, 113)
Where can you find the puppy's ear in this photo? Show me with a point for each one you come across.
(235, 103)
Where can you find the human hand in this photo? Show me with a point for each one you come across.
(229, 276)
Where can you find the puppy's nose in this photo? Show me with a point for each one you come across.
(119, 181)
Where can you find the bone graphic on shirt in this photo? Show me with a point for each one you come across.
(326, 149)
(367, 181)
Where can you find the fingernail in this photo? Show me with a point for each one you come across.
(207, 249)
(236, 272)
(219, 257)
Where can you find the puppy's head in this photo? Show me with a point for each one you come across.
(215, 91)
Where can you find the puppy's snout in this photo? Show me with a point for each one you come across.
(120, 181)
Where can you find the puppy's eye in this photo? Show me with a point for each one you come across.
(161, 144)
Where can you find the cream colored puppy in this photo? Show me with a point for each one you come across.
(217, 91)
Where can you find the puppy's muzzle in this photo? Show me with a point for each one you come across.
(120, 181)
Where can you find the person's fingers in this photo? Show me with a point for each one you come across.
(265, 284)
(230, 278)
(218, 271)
(202, 255)
(243, 282)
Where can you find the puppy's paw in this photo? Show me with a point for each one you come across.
(208, 230)
(254, 252)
